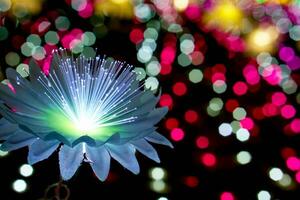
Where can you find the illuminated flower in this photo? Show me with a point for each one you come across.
(94, 108)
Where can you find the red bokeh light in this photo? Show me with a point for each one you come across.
(136, 36)
(278, 98)
(202, 142)
(209, 159)
(269, 110)
(168, 55)
(165, 69)
(247, 123)
(293, 163)
(240, 88)
(288, 111)
(226, 196)
(191, 116)
(191, 181)
(251, 74)
(231, 104)
(166, 100)
(297, 176)
(295, 125)
(171, 123)
(179, 89)
(177, 134)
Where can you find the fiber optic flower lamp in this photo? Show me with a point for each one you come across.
(91, 109)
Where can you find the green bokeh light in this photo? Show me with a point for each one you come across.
(38, 53)
(89, 52)
(154, 24)
(51, 37)
(219, 86)
(151, 33)
(3, 33)
(23, 69)
(62, 23)
(88, 38)
(216, 104)
(298, 98)
(239, 113)
(187, 46)
(144, 54)
(12, 59)
(34, 39)
(27, 48)
(236, 125)
(211, 112)
(153, 68)
(76, 46)
(184, 60)
(143, 12)
(289, 86)
(294, 33)
(151, 83)
(195, 76)
(5, 5)
(140, 72)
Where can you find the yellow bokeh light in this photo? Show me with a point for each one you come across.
(31, 6)
(119, 1)
(262, 39)
(225, 15)
(115, 8)
(181, 5)
(283, 2)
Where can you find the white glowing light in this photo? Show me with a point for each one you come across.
(85, 124)
(19, 185)
(242, 135)
(262, 38)
(162, 198)
(276, 174)
(243, 157)
(26, 170)
(158, 186)
(225, 129)
(263, 195)
(157, 173)
(181, 4)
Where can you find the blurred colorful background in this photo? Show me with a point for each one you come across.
(228, 71)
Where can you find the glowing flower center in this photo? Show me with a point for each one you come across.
(84, 124)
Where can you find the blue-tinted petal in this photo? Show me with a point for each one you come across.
(24, 89)
(125, 155)
(70, 159)
(100, 161)
(6, 112)
(34, 73)
(86, 139)
(6, 129)
(114, 139)
(130, 136)
(146, 121)
(57, 136)
(18, 140)
(157, 138)
(21, 102)
(145, 148)
(40, 150)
